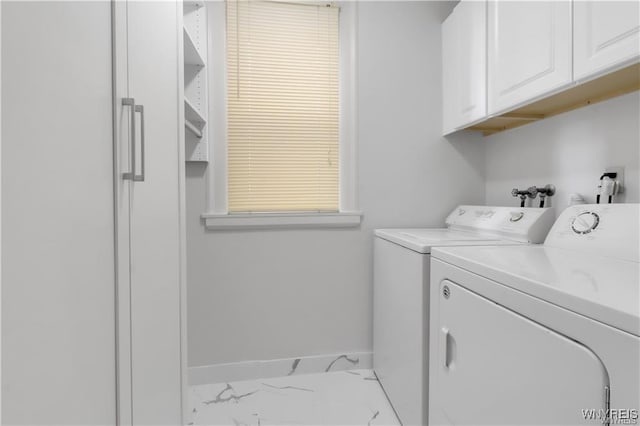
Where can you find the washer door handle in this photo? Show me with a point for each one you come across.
(448, 343)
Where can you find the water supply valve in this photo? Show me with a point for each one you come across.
(547, 191)
(520, 193)
(532, 192)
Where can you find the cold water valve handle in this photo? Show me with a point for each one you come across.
(523, 194)
(547, 191)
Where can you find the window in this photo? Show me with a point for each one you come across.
(289, 144)
(282, 106)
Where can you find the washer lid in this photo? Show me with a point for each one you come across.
(598, 287)
(422, 240)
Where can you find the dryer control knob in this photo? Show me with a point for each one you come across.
(585, 222)
(516, 216)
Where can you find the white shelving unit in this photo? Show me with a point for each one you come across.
(192, 113)
(191, 54)
(196, 102)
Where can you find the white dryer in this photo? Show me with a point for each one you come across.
(545, 334)
(401, 297)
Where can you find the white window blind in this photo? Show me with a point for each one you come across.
(282, 106)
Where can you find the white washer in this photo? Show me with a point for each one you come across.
(544, 334)
(401, 297)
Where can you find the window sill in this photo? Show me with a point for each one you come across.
(214, 221)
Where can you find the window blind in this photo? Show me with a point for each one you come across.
(282, 106)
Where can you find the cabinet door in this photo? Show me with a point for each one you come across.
(450, 72)
(155, 214)
(606, 34)
(149, 211)
(464, 63)
(494, 366)
(58, 325)
(529, 51)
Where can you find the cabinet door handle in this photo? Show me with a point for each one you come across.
(130, 102)
(140, 177)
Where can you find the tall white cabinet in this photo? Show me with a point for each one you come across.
(464, 72)
(92, 213)
(529, 50)
(149, 173)
(58, 324)
(606, 35)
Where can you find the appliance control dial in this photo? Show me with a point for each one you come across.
(516, 216)
(585, 222)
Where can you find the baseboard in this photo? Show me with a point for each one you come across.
(251, 370)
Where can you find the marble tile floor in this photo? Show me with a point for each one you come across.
(351, 397)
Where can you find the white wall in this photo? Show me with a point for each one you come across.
(570, 151)
(256, 295)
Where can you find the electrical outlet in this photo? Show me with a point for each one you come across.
(619, 177)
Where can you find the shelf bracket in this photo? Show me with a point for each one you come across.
(193, 129)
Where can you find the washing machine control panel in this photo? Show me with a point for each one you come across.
(511, 223)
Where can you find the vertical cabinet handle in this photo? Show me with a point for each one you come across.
(130, 102)
(140, 177)
(131, 175)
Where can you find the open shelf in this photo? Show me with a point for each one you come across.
(192, 114)
(194, 121)
(191, 54)
(623, 81)
(195, 76)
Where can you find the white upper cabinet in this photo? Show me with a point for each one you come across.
(450, 71)
(464, 65)
(606, 35)
(508, 63)
(529, 51)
